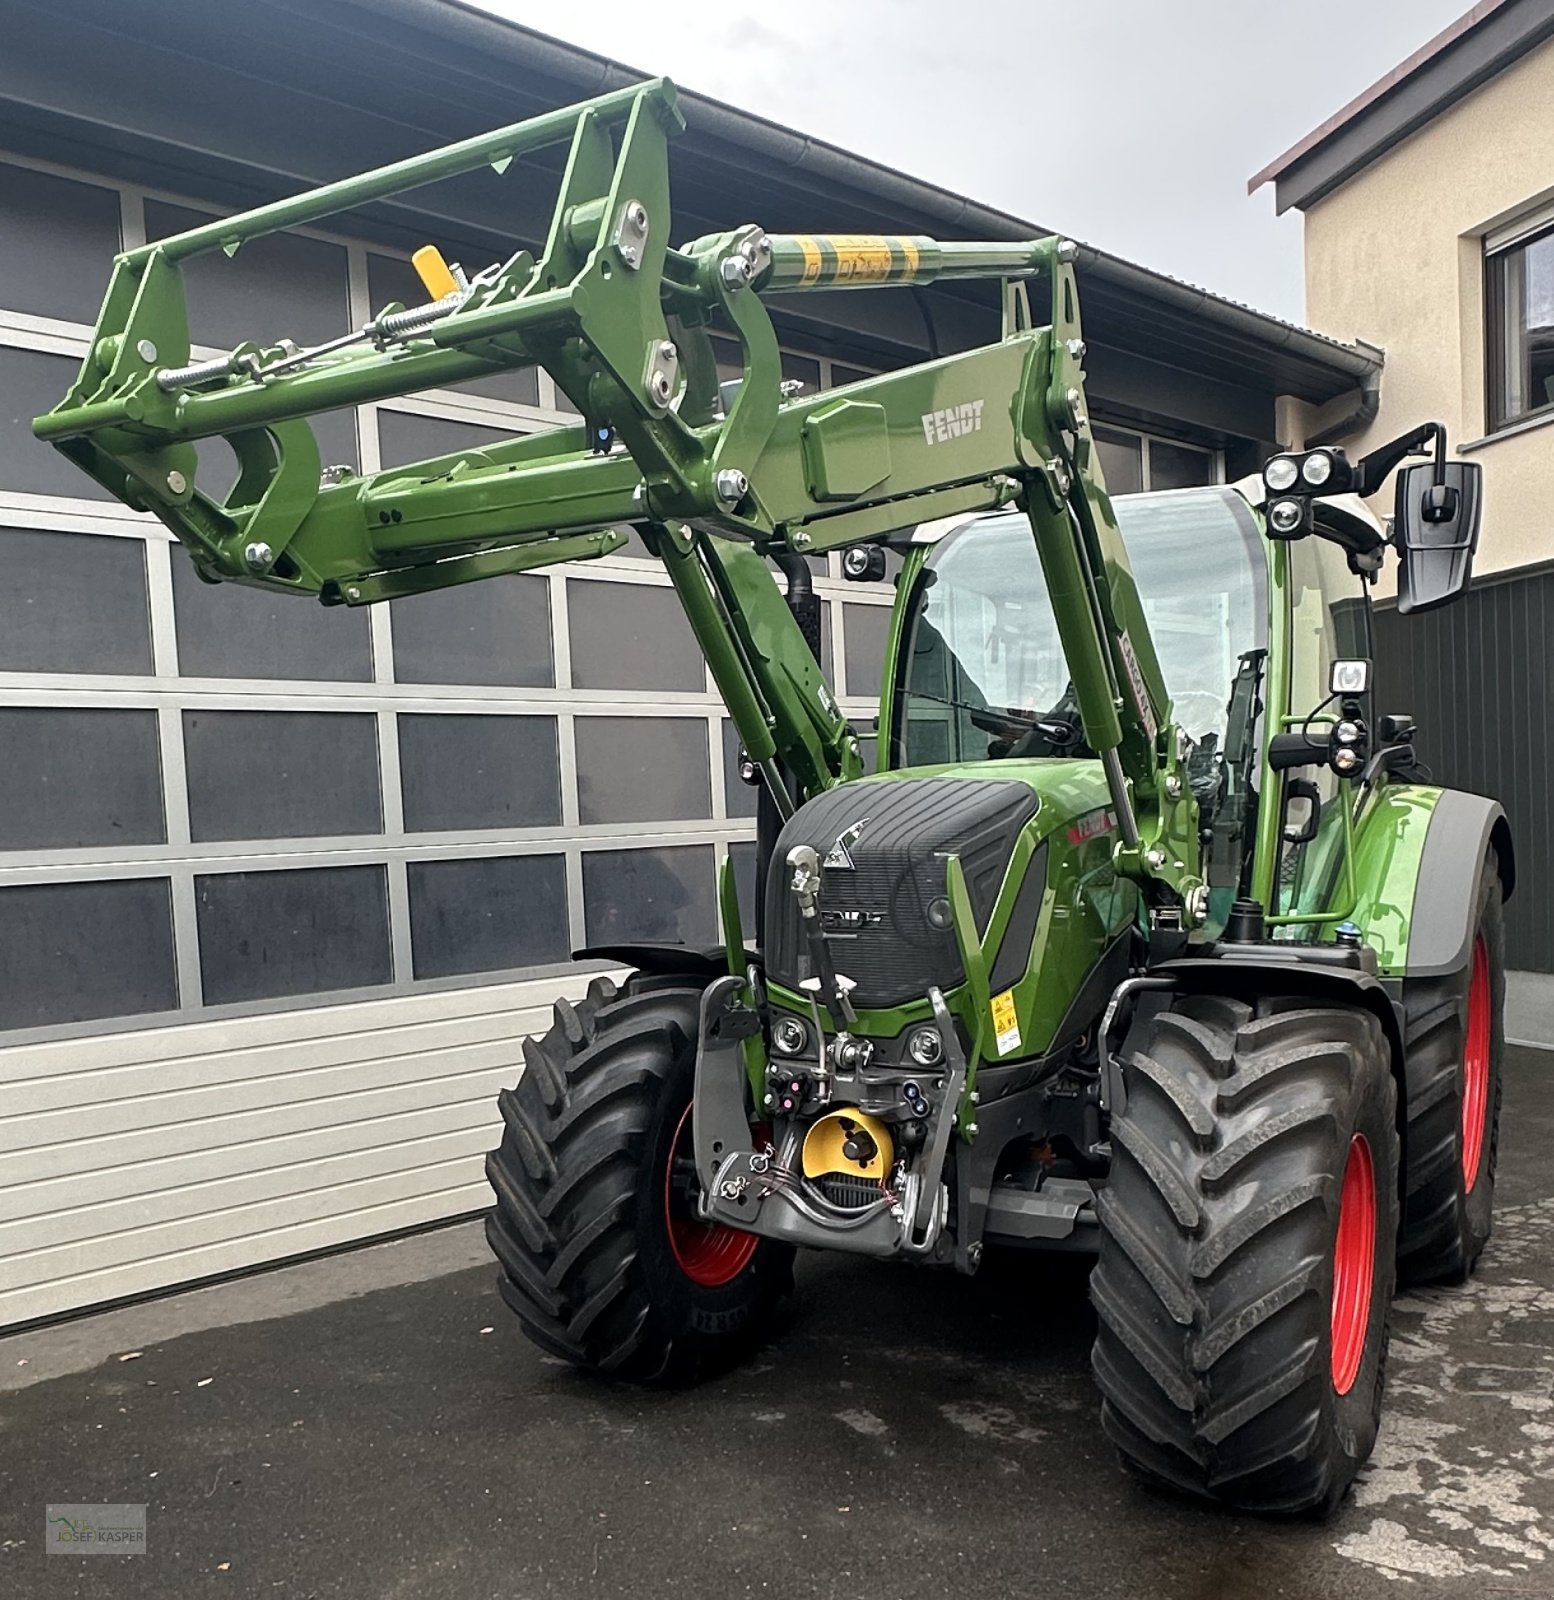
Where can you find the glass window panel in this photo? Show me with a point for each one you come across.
(1122, 460)
(631, 636)
(865, 631)
(73, 602)
(264, 935)
(642, 769)
(1521, 321)
(1178, 466)
(658, 896)
(46, 222)
(478, 772)
(487, 914)
(393, 278)
(738, 796)
(801, 369)
(32, 382)
(496, 633)
(841, 375)
(282, 286)
(281, 774)
(73, 777)
(742, 853)
(869, 749)
(726, 353)
(72, 952)
(228, 630)
(405, 437)
(338, 446)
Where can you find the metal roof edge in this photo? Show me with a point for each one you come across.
(1481, 44)
(593, 73)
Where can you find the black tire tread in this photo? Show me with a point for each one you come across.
(567, 1180)
(1209, 1282)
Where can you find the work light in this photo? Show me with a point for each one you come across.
(1285, 517)
(1281, 473)
(1317, 468)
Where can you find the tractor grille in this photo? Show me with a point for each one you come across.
(887, 917)
(850, 1194)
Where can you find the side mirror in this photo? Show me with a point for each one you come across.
(1435, 528)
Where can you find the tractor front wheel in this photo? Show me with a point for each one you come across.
(602, 1254)
(1248, 1250)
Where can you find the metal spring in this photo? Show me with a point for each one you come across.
(192, 377)
(396, 325)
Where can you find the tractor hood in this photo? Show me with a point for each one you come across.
(883, 843)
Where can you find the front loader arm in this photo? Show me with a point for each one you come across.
(713, 480)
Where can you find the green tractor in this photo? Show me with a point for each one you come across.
(1145, 939)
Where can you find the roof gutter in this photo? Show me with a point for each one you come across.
(493, 36)
(1360, 415)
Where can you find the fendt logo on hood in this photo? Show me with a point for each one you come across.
(941, 426)
(839, 856)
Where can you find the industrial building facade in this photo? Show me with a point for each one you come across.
(282, 889)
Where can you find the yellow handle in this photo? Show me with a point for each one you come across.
(433, 272)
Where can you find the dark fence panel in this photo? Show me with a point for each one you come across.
(1476, 678)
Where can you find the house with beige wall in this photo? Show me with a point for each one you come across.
(1428, 207)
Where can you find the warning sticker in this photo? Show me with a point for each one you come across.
(1006, 1029)
(1130, 664)
(845, 258)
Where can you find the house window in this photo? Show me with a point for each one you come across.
(1519, 293)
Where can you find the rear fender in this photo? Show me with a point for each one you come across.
(1464, 828)
(1419, 855)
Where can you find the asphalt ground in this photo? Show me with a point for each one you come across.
(375, 1426)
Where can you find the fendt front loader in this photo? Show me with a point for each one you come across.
(1146, 937)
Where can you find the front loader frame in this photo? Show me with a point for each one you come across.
(713, 479)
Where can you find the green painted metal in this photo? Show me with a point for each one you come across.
(752, 1049)
(1388, 852)
(1276, 701)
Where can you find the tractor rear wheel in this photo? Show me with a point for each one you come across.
(602, 1255)
(1455, 1042)
(1248, 1250)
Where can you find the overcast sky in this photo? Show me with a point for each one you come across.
(1132, 124)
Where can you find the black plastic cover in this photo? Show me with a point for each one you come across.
(886, 914)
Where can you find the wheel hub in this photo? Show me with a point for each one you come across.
(1354, 1264)
(1475, 1067)
(708, 1253)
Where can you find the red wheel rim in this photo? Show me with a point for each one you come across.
(709, 1254)
(1475, 1067)
(1354, 1264)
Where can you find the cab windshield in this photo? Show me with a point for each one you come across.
(984, 676)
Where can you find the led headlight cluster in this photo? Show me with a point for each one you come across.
(1321, 471)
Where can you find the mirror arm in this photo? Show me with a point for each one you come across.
(1370, 471)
